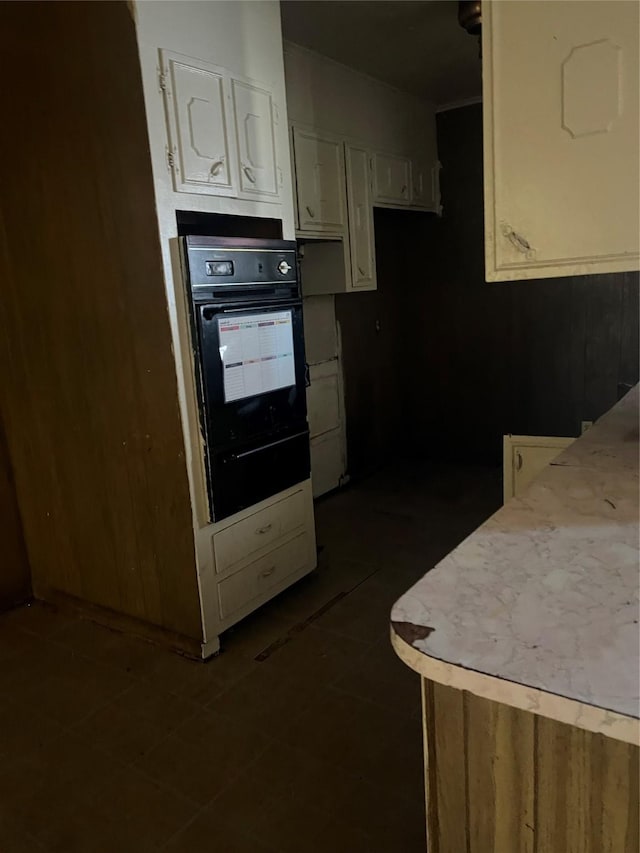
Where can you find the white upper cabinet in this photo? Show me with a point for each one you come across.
(255, 115)
(425, 184)
(202, 137)
(222, 131)
(361, 234)
(561, 138)
(391, 179)
(320, 181)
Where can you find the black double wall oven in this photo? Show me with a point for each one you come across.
(246, 314)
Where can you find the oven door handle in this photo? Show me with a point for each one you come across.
(261, 308)
(246, 453)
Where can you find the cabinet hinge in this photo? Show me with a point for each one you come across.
(162, 79)
(170, 160)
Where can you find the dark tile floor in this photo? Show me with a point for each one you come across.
(303, 736)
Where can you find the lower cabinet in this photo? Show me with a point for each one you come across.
(525, 456)
(261, 551)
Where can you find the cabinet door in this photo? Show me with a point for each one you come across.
(561, 137)
(425, 185)
(202, 137)
(319, 165)
(359, 205)
(255, 133)
(526, 456)
(392, 179)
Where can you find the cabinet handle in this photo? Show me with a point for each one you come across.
(262, 530)
(214, 171)
(403, 190)
(249, 173)
(518, 461)
(361, 271)
(268, 572)
(310, 212)
(517, 240)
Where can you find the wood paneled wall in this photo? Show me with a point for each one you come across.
(501, 780)
(478, 360)
(15, 577)
(89, 386)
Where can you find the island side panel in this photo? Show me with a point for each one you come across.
(502, 779)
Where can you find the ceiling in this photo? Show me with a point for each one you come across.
(416, 46)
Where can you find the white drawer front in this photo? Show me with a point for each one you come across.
(256, 579)
(259, 530)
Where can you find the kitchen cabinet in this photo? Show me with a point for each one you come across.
(320, 181)
(360, 212)
(222, 131)
(255, 116)
(526, 456)
(391, 179)
(561, 138)
(425, 184)
(202, 145)
(261, 550)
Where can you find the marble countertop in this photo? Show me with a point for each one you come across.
(538, 608)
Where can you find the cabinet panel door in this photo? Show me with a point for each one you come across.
(425, 185)
(392, 179)
(561, 138)
(254, 121)
(319, 165)
(526, 456)
(201, 128)
(361, 234)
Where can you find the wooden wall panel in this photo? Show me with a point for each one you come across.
(15, 577)
(503, 780)
(90, 395)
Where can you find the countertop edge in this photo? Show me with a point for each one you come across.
(536, 701)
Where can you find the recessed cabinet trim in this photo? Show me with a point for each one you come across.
(202, 141)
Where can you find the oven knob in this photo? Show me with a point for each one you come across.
(283, 267)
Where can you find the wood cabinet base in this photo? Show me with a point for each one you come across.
(502, 780)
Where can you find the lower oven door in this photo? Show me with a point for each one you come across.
(252, 368)
(250, 473)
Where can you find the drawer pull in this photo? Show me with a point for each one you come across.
(518, 461)
(268, 572)
(262, 530)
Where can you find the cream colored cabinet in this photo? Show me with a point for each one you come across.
(525, 456)
(360, 211)
(222, 131)
(391, 179)
(202, 146)
(320, 181)
(561, 138)
(255, 115)
(262, 550)
(425, 185)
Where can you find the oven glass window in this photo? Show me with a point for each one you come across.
(257, 353)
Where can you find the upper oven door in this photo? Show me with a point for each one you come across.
(253, 370)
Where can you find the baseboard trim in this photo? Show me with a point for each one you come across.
(179, 643)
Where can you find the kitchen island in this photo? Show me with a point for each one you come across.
(526, 639)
